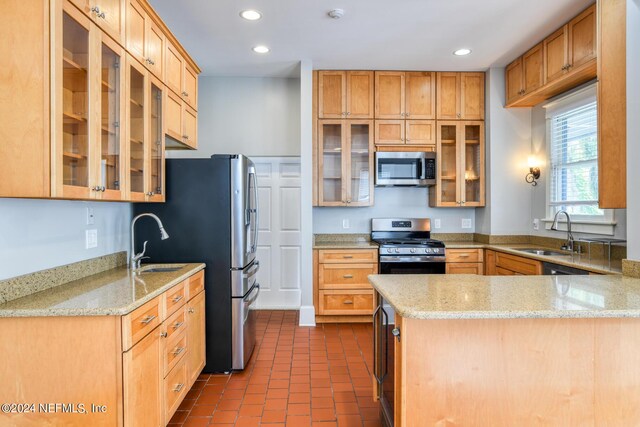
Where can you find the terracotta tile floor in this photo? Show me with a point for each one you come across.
(297, 376)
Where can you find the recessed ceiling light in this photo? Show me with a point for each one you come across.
(251, 15)
(261, 49)
(462, 52)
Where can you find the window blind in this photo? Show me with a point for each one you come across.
(574, 161)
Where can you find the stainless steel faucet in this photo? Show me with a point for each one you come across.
(570, 242)
(134, 264)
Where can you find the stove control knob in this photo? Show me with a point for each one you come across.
(389, 250)
(428, 250)
(397, 250)
(413, 251)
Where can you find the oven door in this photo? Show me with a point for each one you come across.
(412, 265)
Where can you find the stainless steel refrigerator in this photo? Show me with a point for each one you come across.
(211, 211)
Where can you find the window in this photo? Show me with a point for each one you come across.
(573, 156)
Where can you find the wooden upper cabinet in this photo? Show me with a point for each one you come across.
(390, 95)
(332, 91)
(174, 68)
(448, 94)
(472, 96)
(190, 92)
(154, 51)
(582, 38)
(420, 132)
(555, 55)
(420, 99)
(514, 81)
(359, 103)
(533, 69)
(389, 132)
(109, 15)
(136, 24)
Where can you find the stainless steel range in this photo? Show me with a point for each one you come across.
(406, 246)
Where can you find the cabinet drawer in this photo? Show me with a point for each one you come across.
(345, 276)
(464, 255)
(345, 302)
(518, 265)
(350, 256)
(196, 284)
(465, 268)
(173, 351)
(175, 388)
(175, 298)
(175, 324)
(137, 324)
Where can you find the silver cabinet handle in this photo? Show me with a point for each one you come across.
(347, 256)
(147, 319)
(179, 350)
(463, 256)
(150, 61)
(177, 298)
(348, 113)
(348, 276)
(163, 334)
(396, 333)
(458, 115)
(150, 193)
(348, 302)
(184, 93)
(191, 310)
(177, 325)
(185, 136)
(178, 388)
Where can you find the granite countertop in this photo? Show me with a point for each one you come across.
(495, 297)
(117, 291)
(345, 245)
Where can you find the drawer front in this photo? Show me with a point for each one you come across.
(196, 284)
(137, 324)
(350, 256)
(465, 268)
(175, 298)
(175, 324)
(345, 276)
(464, 255)
(174, 350)
(175, 388)
(346, 302)
(518, 264)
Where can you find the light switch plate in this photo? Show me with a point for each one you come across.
(436, 223)
(345, 223)
(90, 217)
(466, 222)
(536, 224)
(91, 237)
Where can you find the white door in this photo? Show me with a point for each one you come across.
(279, 245)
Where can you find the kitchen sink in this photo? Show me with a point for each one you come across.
(536, 251)
(160, 269)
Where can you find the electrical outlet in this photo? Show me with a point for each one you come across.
(536, 224)
(345, 223)
(466, 222)
(436, 223)
(90, 217)
(91, 237)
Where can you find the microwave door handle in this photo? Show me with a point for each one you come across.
(422, 168)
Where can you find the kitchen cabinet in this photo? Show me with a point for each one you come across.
(195, 337)
(145, 39)
(556, 55)
(345, 94)
(419, 134)
(464, 261)
(460, 165)
(405, 95)
(503, 264)
(525, 74)
(107, 14)
(460, 96)
(342, 291)
(180, 77)
(181, 121)
(345, 163)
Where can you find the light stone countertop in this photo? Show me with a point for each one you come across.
(112, 292)
(468, 296)
(345, 245)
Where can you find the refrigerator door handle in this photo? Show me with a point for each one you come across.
(254, 175)
(252, 270)
(251, 301)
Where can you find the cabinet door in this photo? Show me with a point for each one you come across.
(331, 180)
(360, 162)
(190, 120)
(109, 14)
(138, 129)
(390, 91)
(447, 188)
(332, 91)
(72, 147)
(389, 132)
(472, 96)
(472, 163)
(173, 116)
(359, 94)
(533, 69)
(421, 132)
(514, 81)
(155, 192)
(174, 68)
(420, 96)
(582, 38)
(154, 50)
(136, 23)
(448, 94)
(190, 89)
(195, 337)
(464, 268)
(112, 166)
(142, 385)
(555, 55)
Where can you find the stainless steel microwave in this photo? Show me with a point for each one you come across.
(410, 169)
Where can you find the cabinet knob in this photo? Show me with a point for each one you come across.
(150, 193)
(185, 94)
(163, 334)
(407, 115)
(458, 115)
(348, 113)
(150, 61)
(185, 136)
(191, 310)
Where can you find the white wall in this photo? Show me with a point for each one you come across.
(41, 234)
(633, 128)
(251, 116)
(391, 202)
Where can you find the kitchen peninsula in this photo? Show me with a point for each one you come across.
(543, 350)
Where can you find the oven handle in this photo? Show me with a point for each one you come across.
(411, 258)
(375, 343)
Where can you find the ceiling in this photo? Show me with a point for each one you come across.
(373, 34)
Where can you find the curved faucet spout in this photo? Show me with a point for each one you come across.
(134, 264)
(554, 227)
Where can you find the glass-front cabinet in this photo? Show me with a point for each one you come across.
(345, 172)
(137, 135)
(460, 165)
(156, 143)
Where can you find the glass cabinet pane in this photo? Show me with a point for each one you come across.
(75, 55)
(331, 146)
(360, 155)
(110, 126)
(136, 133)
(156, 140)
(448, 163)
(472, 159)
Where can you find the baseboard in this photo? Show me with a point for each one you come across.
(307, 315)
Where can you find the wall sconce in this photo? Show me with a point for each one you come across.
(534, 171)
